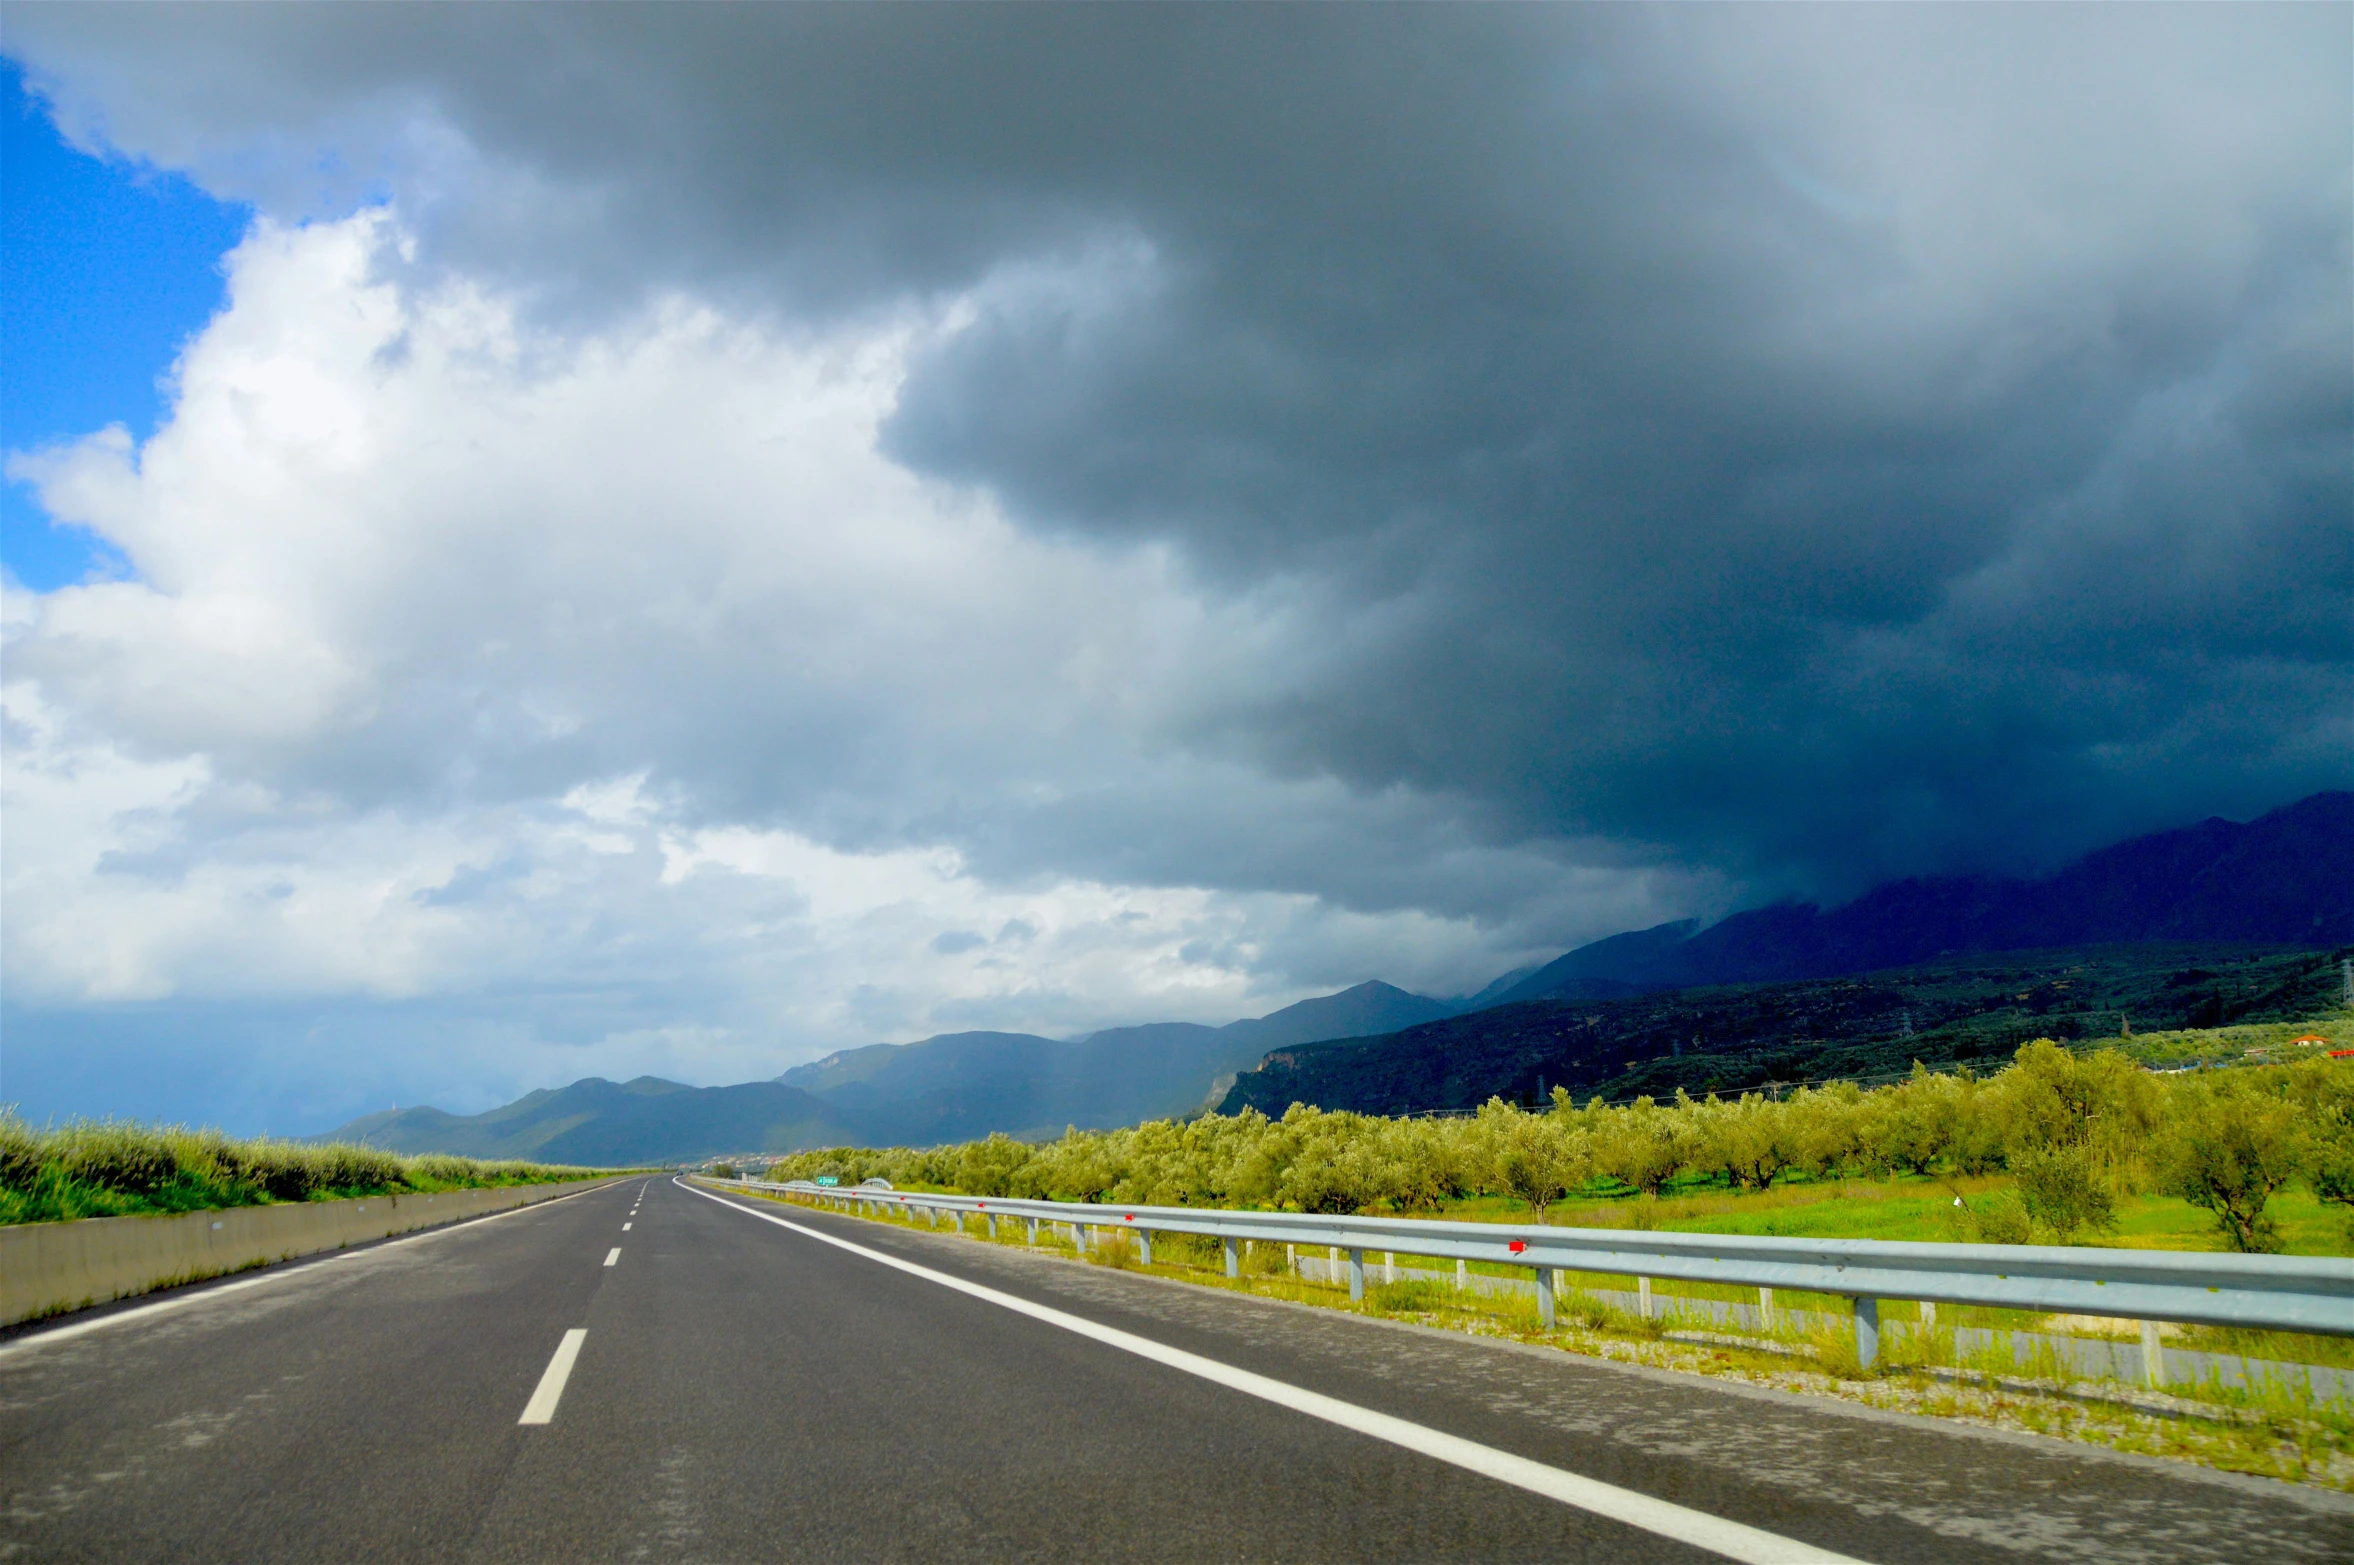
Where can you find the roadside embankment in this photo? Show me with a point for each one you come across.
(49, 1268)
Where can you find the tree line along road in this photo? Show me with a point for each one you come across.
(645, 1371)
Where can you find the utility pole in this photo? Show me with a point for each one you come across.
(2346, 967)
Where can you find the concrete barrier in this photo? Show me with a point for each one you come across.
(48, 1268)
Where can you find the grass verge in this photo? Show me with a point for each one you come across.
(114, 1168)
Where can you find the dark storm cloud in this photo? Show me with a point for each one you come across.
(1818, 444)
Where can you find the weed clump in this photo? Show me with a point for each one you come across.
(1114, 1247)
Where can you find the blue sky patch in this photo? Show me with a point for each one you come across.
(107, 267)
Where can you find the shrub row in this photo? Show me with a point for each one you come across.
(103, 1168)
(2075, 1130)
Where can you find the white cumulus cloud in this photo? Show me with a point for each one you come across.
(456, 656)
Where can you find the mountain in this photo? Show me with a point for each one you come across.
(1723, 1038)
(961, 1085)
(951, 1088)
(1496, 989)
(1369, 1007)
(607, 1124)
(2286, 878)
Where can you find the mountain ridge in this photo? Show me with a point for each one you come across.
(603, 1123)
(2196, 883)
(2285, 878)
(958, 1085)
(952, 1086)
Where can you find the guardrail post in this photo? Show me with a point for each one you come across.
(1545, 1297)
(1356, 1276)
(1233, 1259)
(1291, 1260)
(1033, 1230)
(1389, 1266)
(1144, 1246)
(1334, 1274)
(2153, 1354)
(1643, 1297)
(1462, 1271)
(1867, 1332)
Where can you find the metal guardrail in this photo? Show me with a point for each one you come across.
(2265, 1292)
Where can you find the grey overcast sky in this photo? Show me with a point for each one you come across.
(701, 535)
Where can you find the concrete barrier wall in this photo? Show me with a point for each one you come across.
(46, 1268)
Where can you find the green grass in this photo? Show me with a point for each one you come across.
(114, 1168)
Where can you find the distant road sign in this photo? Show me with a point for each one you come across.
(828, 1179)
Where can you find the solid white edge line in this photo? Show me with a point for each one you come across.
(1732, 1539)
(613, 1255)
(274, 1271)
(550, 1391)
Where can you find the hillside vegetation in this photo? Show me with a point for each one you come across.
(2048, 1149)
(1733, 1037)
(112, 1168)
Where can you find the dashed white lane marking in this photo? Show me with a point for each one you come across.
(613, 1255)
(542, 1405)
(625, 1227)
(1733, 1540)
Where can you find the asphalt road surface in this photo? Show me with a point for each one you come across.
(739, 1381)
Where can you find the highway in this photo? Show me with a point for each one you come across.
(643, 1372)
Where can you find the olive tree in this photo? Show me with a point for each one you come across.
(2227, 1148)
(1533, 1158)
